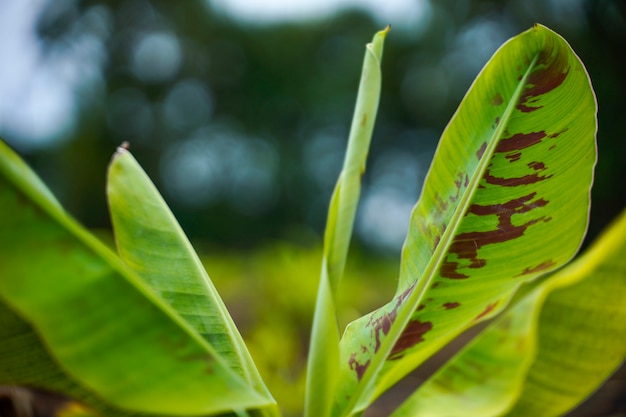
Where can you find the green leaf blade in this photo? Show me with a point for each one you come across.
(575, 338)
(581, 334)
(151, 242)
(96, 319)
(323, 358)
(485, 380)
(511, 175)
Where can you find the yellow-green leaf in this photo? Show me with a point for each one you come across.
(151, 242)
(95, 318)
(571, 339)
(506, 200)
(323, 357)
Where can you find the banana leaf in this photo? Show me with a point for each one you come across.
(547, 353)
(70, 306)
(506, 200)
(322, 364)
(151, 242)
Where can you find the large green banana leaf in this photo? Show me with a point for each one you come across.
(506, 200)
(77, 310)
(547, 353)
(151, 242)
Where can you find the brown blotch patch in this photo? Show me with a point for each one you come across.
(436, 241)
(512, 157)
(441, 205)
(550, 73)
(466, 245)
(449, 306)
(541, 267)
(537, 166)
(515, 181)
(481, 150)
(382, 323)
(411, 336)
(497, 99)
(555, 135)
(520, 141)
(458, 182)
(449, 269)
(486, 311)
(358, 367)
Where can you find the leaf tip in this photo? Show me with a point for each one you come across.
(123, 148)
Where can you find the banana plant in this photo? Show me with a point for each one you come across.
(505, 204)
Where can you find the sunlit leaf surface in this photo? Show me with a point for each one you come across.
(151, 243)
(547, 353)
(107, 331)
(506, 200)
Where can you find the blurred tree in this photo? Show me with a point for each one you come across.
(243, 125)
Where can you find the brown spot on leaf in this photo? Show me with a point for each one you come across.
(458, 182)
(481, 151)
(364, 119)
(497, 99)
(549, 73)
(487, 310)
(520, 141)
(515, 181)
(440, 204)
(554, 135)
(537, 166)
(412, 335)
(382, 322)
(358, 367)
(512, 157)
(541, 267)
(466, 245)
(449, 269)
(449, 306)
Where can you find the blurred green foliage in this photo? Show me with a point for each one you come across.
(200, 95)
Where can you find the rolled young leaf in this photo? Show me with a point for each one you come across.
(324, 354)
(151, 242)
(575, 339)
(506, 200)
(98, 321)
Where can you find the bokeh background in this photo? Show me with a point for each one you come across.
(239, 111)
